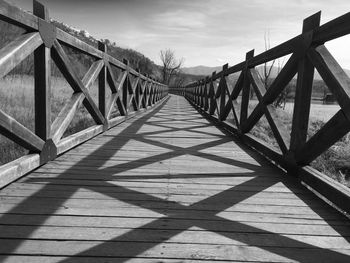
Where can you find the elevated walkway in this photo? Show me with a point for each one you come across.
(166, 186)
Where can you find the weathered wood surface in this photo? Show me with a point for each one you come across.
(167, 186)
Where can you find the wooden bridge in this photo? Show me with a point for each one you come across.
(169, 179)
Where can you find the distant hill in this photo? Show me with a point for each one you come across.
(201, 70)
(204, 70)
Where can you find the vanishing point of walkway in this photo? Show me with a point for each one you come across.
(167, 186)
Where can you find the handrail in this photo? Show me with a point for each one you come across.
(131, 92)
(307, 52)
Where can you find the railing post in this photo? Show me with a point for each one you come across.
(42, 83)
(245, 89)
(206, 94)
(303, 91)
(201, 93)
(223, 86)
(138, 90)
(102, 83)
(42, 80)
(125, 91)
(212, 95)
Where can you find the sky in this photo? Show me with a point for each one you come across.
(202, 32)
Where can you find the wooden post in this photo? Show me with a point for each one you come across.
(223, 86)
(212, 99)
(303, 91)
(201, 94)
(245, 89)
(42, 81)
(206, 100)
(125, 90)
(137, 92)
(102, 77)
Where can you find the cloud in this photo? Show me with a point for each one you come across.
(203, 31)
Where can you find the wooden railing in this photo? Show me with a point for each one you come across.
(131, 91)
(307, 51)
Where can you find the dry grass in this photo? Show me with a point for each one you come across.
(17, 100)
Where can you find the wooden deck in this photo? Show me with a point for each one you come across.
(169, 187)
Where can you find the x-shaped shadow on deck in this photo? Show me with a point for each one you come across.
(181, 217)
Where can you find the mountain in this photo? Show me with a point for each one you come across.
(200, 70)
(207, 71)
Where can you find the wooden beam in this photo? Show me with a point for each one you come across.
(78, 45)
(125, 89)
(283, 78)
(212, 99)
(102, 78)
(42, 81)
(78, 138)
(245, 90)
(330, 133)
(333, 75)
(14, 170)
(116, 87)
(110, 78)
(259, 89)
(16, 51)
(64, 64)
(16, 16)
(223, 88)
(234, 94)
(333, 29)
(302, 100)
(21, 135)
(66, 115)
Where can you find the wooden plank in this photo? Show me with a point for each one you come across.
(173, 251)
(336, 192)
(128, 195)
(16, 16)
(333, 29)
(16, 169)
(77, 44)
(16, 51)
(82, 136)
(21, 135)
(78, 138)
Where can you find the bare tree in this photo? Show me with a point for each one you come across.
(265, 76)
(171, 66)
(268, 66)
